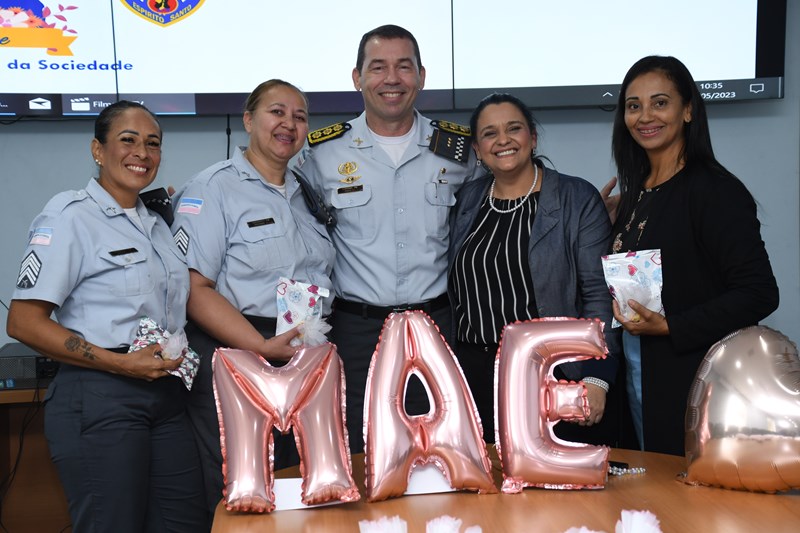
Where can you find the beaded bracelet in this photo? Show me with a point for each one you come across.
(596, 381)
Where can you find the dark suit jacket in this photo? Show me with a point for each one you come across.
(570, 233)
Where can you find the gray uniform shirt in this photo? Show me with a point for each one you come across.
(101, 270)
(243, 234)
(391, 235)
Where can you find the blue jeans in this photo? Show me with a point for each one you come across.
(633, 357)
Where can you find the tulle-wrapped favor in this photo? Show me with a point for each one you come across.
(173, 346)
(300, 304)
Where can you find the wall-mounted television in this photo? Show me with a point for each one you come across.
(67, 58)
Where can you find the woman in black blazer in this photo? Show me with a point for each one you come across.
(675, 196)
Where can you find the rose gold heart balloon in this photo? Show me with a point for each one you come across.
(743, 414)
(307, 393)
(529, 401)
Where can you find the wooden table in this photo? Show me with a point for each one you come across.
(679, 507)
(35, 502)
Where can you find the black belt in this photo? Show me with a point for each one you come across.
(381, 312)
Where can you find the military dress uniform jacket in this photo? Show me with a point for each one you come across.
(243, 234)
(101, 270)
(391, 234)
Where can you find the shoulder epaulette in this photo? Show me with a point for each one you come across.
(61, 200)
(159, 202)
(450, 140)
(327, 133)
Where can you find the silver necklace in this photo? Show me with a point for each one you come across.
(521, 202)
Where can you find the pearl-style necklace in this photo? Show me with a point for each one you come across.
(520, 203)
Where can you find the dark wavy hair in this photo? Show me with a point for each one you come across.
(389, 31)
(103, 122)
(633, 165)
(501, 98)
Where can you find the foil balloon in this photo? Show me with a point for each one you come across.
(253, 397)
(743, 414)
(529, 401)
(449, 436)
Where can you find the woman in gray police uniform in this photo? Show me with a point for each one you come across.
(242, 224)
(115, 422)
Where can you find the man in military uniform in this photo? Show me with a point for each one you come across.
(389, 178)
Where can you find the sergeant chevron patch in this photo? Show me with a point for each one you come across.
(182, 240)
(29, 271)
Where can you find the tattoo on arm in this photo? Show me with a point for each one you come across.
(76, 344)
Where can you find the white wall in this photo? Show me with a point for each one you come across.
(758, 141)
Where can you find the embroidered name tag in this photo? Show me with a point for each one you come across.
(345, 190)
(262, 222)
(124, 251)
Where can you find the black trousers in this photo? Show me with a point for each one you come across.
(477, 364)
(124, 452)
(356, 338)
(202, 409)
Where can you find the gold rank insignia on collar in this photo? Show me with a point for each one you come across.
(450, 140)
(327, 133)
(347, 170)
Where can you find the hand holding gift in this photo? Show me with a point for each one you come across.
(300, 304)
(634, 280)
(173, 346)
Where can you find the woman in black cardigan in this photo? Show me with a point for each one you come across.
(675, 196)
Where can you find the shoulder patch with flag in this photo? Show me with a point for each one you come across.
(41, 236)
(29, 271)
(190, 206)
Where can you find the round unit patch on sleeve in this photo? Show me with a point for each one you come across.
(29, 271)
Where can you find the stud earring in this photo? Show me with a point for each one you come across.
(99, 164)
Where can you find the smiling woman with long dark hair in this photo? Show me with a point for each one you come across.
(676, 197)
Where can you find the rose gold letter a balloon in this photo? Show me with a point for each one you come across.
(449, 436)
